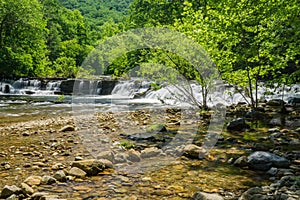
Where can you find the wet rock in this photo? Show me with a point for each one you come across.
(48, 180)
(6, 89)
(206, 196)
(261, 160)
(272, 171)
(192, 151)
(121, 158)
(107, 164)
(33, 180)
(60, 176)
(25, 134)
(241, 162)
(134, 156)
(58, 166)
(253, 194)
(7, 191)
(92, 166)
(238, 124)
(78, 158)
(43, 196)
(75, 171)
(253, 114)
(26, 189)
(272, 130)
(12, 197)
(150, 152)
(275, 102)
(109, 155)
(156, 128)
(67, 128)
(293, 101)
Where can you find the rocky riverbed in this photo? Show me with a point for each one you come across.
(126, 155)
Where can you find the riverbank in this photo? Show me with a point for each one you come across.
(138, 166)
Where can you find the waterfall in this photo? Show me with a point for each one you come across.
(53, 86)
(130, 88)
(25, 86)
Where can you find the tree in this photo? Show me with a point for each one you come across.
(68, 38)
(244, 40)
(22, 38)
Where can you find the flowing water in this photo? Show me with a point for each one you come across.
(27, 100)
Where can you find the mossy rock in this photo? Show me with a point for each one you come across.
(156, 128)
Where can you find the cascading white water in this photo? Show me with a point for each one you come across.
(53, 86)
(222, 93)
(130, 88)
(25, 86)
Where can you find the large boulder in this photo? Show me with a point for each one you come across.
(238, 124)
(261, 160)
(66, 86)
(83, 86)
(107, 86)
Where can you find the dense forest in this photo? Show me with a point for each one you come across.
(248, 40)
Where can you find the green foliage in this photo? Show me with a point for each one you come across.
(22, 37)
(60, 99)
(246, 39)
(43, 38)
(127, 144)
(155, 86)
(99, 13)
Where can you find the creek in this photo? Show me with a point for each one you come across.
(32, 114)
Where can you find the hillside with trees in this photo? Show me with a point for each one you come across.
(50, 38)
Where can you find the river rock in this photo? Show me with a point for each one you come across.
(7, 191)
(60, 176)
(26, 189)
(238, 124)
(13, 197)
(67, 128)
(192, 151)
(134, 156)
(150, 152)
(48, 180)
(275, 102)
(6, 89)
(33, 180)
(43, 196)
(261, 160)
(75, 171)
(92, 166)
(253, 194)
(241, 162)
(109, 155)
(273, 171)
(293, 101)
(206, 196)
